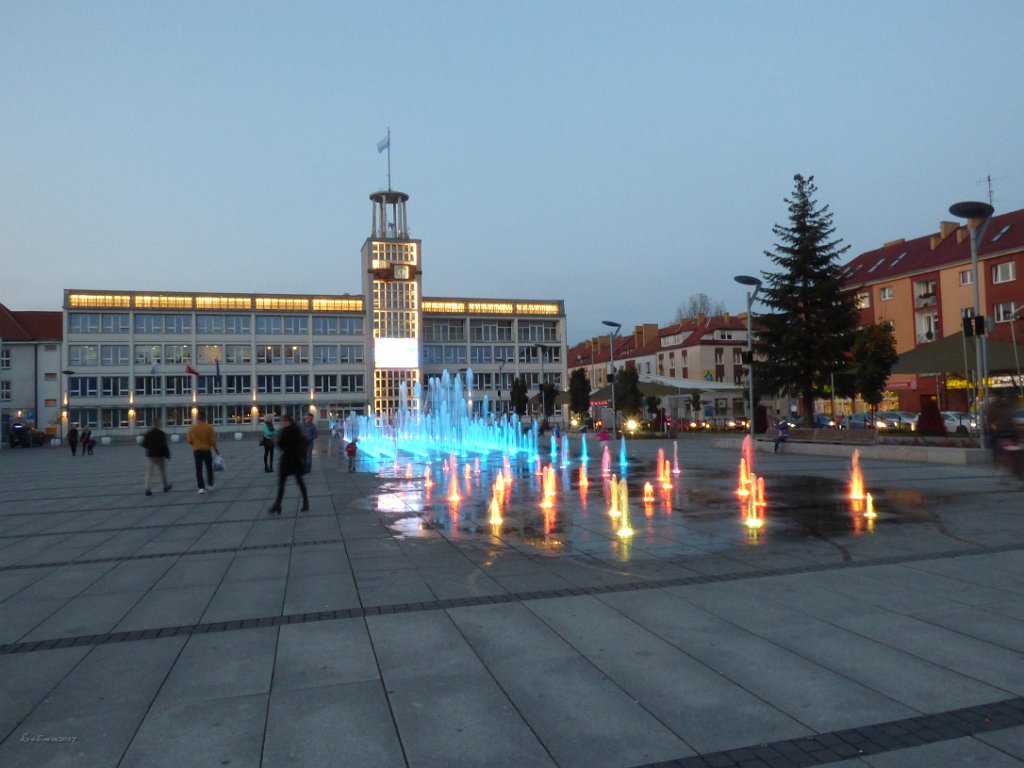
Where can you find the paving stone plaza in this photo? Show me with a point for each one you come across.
(382, 628)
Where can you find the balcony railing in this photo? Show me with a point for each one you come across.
(924, 300)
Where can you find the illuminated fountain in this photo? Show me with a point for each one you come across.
(624, 529)
(648, 492)
(565, 450)
(613, 498)
(584, 482)
(606, 461)
(675, 457)
(622, 453)
(870, 511)
(747, 485)
(583, 448)
(445, 421)
(856, 478)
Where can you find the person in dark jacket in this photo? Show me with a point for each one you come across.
(157, 453)
(73, 440)
(292, 461)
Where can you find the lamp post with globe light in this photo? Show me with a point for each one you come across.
(977, 215)
(751, 295)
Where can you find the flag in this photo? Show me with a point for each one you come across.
(152, 371)
(384, 143)
(190, 370)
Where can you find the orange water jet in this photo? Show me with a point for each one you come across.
(856, 478)
(648, 492)
(583, 477)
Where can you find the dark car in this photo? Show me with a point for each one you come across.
(858, 421)
(824, 421)
(23, 435)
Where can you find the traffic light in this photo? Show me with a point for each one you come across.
(974, 326)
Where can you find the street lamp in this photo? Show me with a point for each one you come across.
(977, 214)
(751, 295)
(616, 327)
(540, 387)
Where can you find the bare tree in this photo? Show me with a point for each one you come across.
(698, 304)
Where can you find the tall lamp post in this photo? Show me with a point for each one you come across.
(978, 214)
(616, 327)
(501, 367)
(540, 386)
(751, 295)
(66, 406)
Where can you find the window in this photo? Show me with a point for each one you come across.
(863, 300)
(544, 330)
(325, 326)
(1004, 312)
(885, 294)
(113, 418)
(350, 353)
(116, 323)
(83, 386)
(296, 383)
(297, 353)
(145, 323)
(5, 358)
(490, 330)
(1005, 272)
(502, 352)
(296, 325)
(238, 414)
(83, 322)
(325, 382)
(209, 324)
(237, 384)
(352, 382)
(719, 356)
(177, 323)
(237, 324)
(454, 355)
(269, 324)
(268, 384)
(83, 354)
(178, 385)
(208, 385)
(432, 354)
(5, 390)
(177, 353)
(325, 354)
(237, 354)
(148, 385)
(966, 277)
(178, 416)
(480, 354)
(113, 354)
(208, 354)
(114, 386)
(148, 354)
(444, 330)
(268, 353)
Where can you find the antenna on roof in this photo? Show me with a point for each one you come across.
(988, 181)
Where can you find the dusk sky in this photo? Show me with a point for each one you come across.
(621, 156)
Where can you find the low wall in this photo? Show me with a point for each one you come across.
(926, 454)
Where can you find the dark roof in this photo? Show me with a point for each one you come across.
(907, 257)
(30, 325)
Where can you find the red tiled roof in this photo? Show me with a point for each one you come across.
(908, 257)
(30, 325)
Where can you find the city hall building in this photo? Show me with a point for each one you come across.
(131, 357)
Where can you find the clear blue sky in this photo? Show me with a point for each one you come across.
(622, 156)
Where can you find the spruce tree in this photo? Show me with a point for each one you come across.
(809, 329)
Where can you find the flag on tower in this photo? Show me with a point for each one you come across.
(384, 143)
(190, 370)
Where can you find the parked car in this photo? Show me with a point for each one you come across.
(895, 421)
(858, 421)
(24, 435)
(824, 421)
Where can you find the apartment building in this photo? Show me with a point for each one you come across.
(924, 289)
(30, 365)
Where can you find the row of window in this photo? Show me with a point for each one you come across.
(231, 384)
(213, 354)
(293, 325)
(452, 329)
(1005, 272)
(174, 416)
(438, 354)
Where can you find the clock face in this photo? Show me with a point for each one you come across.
(401, 272)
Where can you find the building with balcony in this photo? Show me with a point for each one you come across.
(131, 357)
(924, 289)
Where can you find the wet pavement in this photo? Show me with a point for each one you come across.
(393, 625)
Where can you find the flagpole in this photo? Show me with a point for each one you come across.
(389, 158)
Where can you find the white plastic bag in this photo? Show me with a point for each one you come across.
(218, 463)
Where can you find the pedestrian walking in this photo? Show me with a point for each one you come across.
(350, 451)
(157, 453)
(291, 461)
(203, 440)
(311, 433)
(267, 441)
(73, 439)
(87, 442)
